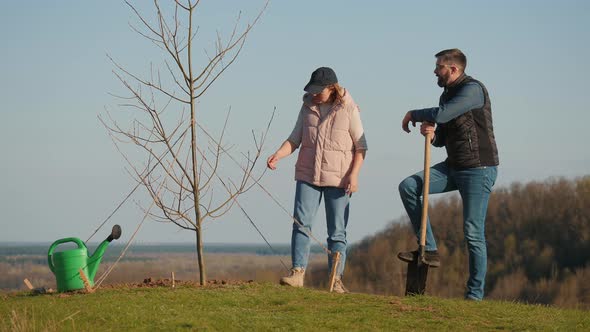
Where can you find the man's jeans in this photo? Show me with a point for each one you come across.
(307, 201)
(475, 186)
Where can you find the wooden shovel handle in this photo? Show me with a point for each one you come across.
(425, 189)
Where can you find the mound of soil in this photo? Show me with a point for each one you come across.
(167, 282)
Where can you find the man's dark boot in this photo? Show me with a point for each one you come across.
(431, 257)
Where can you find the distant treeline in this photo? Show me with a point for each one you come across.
(538, 237)
(12, 251)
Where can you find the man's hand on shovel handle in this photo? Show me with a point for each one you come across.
(427, 128)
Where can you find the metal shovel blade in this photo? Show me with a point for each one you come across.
(416, 278)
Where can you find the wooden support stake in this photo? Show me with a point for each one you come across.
(173, 283)
(85, 281)
(28, 284)
(335, 262)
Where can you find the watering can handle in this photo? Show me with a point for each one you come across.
(58, 242)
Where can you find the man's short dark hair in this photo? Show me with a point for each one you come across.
(454, 56)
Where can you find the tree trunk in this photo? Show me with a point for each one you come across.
(196, 198)
(200, 258)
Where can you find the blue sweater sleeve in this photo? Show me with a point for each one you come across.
(469, 97)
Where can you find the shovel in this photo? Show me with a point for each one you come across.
(418, 269)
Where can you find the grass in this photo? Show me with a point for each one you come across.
(268, 306)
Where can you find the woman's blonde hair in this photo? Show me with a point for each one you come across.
(338, 92)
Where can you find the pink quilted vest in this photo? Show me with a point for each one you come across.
(327, 149)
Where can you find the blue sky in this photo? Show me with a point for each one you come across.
(60, 175)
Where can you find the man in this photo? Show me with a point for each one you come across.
(464, 127)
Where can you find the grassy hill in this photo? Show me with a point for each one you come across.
(254, 306)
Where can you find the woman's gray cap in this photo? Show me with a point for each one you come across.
(320, 78)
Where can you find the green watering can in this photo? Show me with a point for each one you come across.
(66, 264)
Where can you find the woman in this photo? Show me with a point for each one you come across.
(333, 146)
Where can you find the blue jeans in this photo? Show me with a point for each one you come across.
(307, 201)
(475, 186)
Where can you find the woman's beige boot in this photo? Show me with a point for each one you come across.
(295, 279)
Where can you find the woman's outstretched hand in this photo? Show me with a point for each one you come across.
(271, 162)
(286, 149)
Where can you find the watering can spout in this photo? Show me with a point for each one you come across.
(94, 260)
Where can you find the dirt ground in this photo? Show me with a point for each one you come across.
(167, 282)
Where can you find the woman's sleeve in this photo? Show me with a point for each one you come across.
(356, 130)
(297, 133)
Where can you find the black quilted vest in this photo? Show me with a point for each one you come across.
(469, 138)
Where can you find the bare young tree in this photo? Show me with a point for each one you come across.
(181, 170)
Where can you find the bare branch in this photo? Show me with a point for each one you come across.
(223, 51)
(144, 82)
